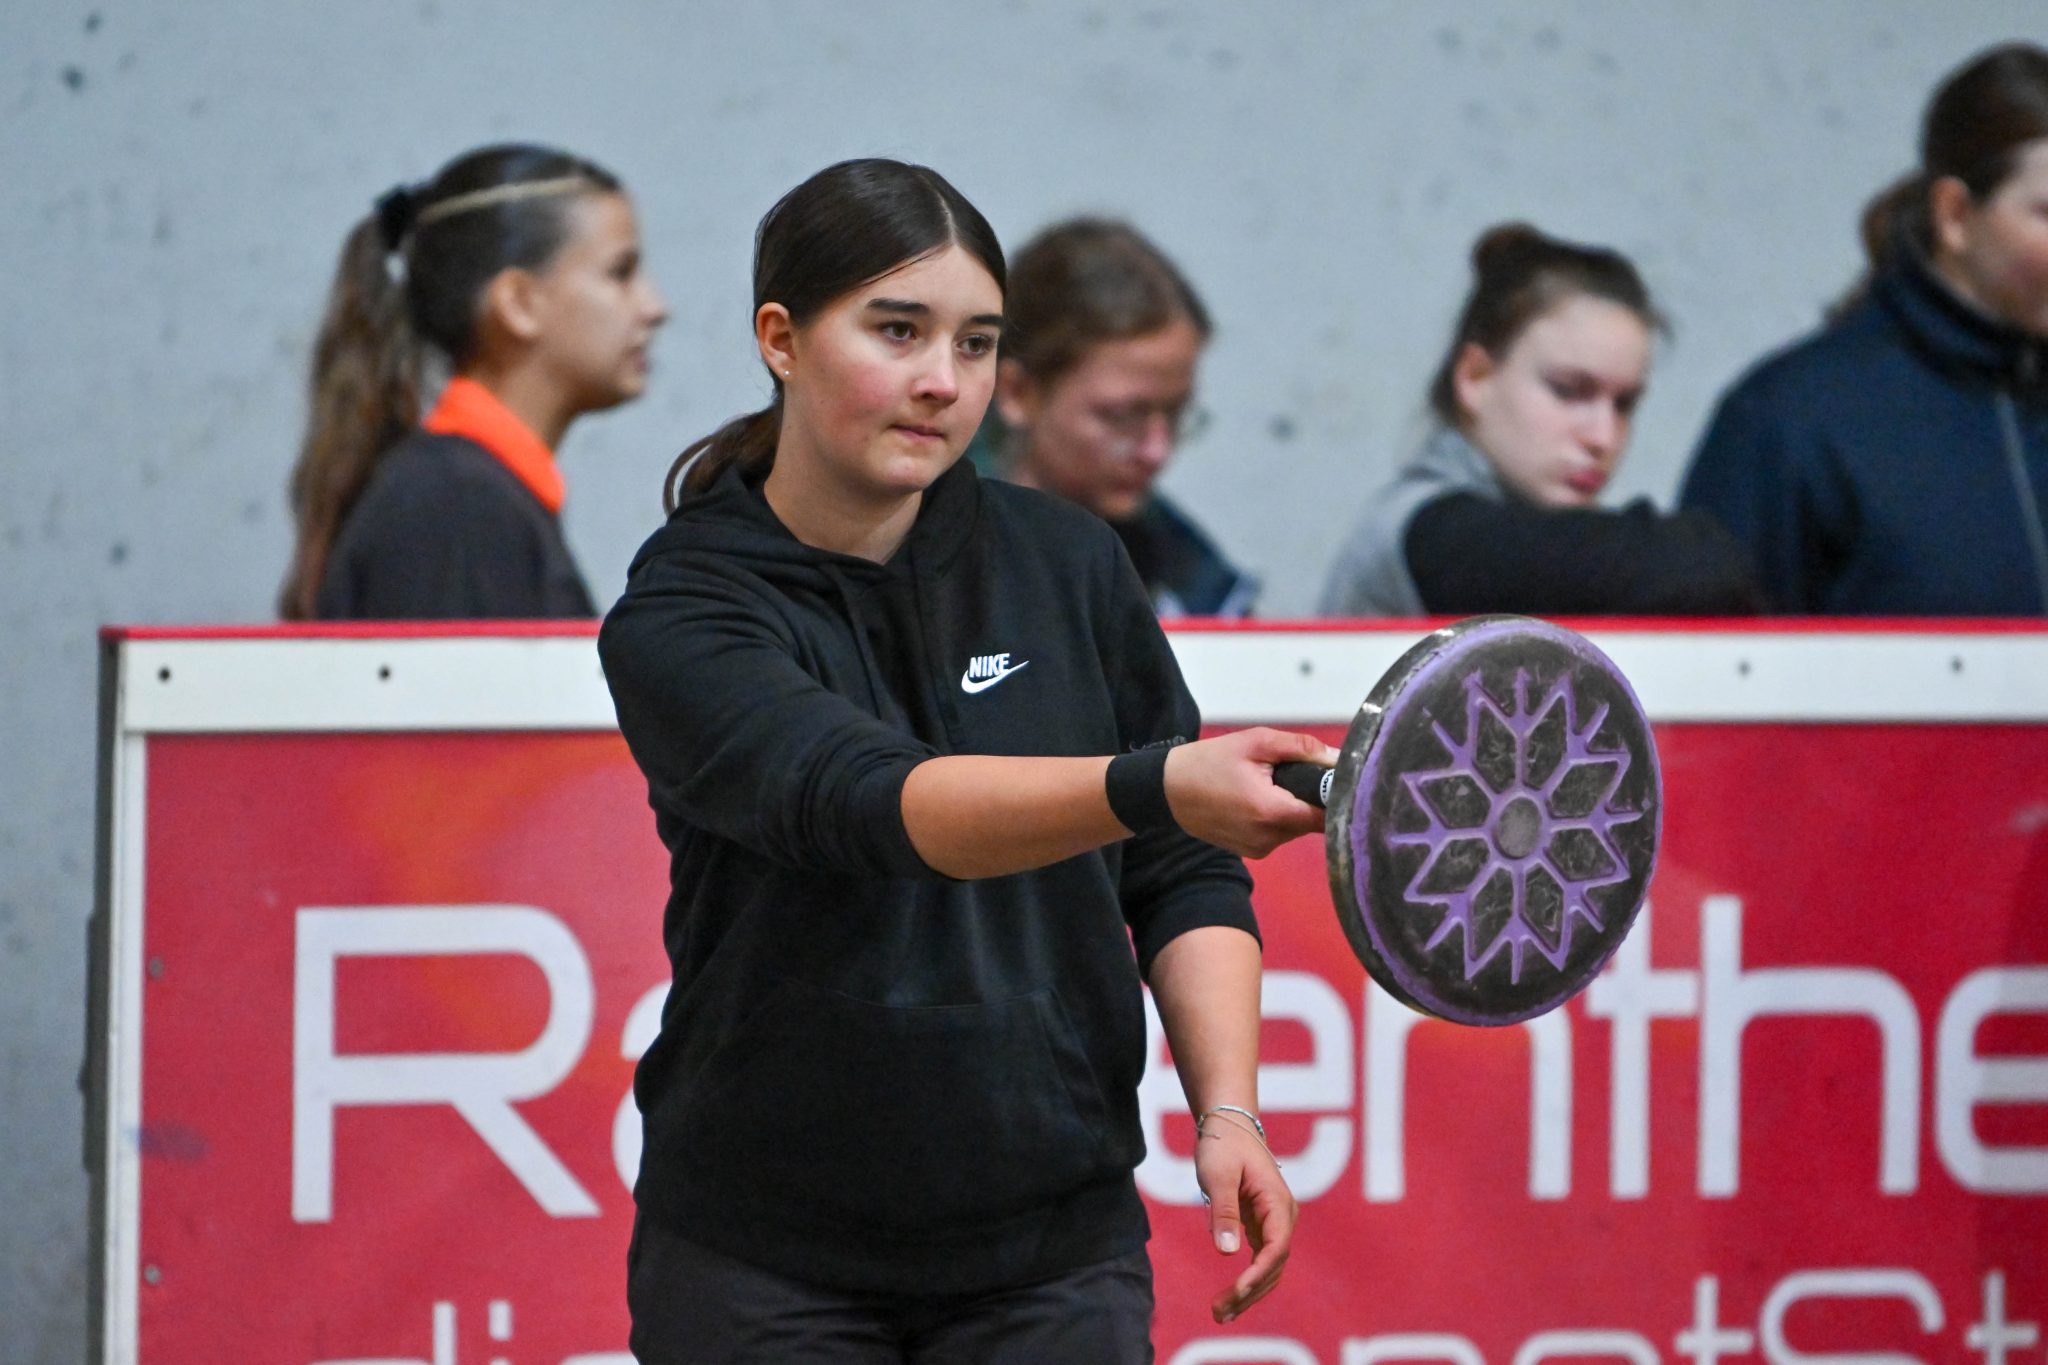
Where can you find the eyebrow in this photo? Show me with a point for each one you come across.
(1581, 373)
(912, 308)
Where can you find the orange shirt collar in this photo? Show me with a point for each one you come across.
(471, 411)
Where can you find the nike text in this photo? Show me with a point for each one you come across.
(986, 670)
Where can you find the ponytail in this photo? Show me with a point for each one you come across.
(745, 443)
(1900, 208)
(1895, 215)
(365, 396)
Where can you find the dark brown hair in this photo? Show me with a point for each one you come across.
(850, 223)
(1519, 274)
(1978, 123)
(1086, 281)
(407, 275)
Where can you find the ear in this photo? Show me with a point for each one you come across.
(775, 334)
(1471, 374)
(1950, 208)
(1018, 396)
(512, 304)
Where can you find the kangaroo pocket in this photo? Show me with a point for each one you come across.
(840, 1111)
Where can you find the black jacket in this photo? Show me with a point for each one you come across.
(1894, 463)
(869, 1075)
(445, 532)
(1470, 554)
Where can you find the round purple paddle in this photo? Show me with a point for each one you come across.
(1492, 821)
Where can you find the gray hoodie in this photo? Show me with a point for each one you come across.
(1370, 576)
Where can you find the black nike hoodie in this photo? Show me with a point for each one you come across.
(870, 1075)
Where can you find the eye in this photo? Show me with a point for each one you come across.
(1570, 388)
(896, 330)
(1625, 404)
(1122, 420)
(978, 344)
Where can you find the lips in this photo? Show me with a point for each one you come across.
(922, 433)
(1586, 481)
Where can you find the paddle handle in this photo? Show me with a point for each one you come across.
(1309, 782)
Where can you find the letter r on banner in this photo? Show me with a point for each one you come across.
(480, 1086)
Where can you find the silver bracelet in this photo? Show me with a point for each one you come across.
(1258, 1129)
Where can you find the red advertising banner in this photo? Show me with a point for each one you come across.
(375, 997)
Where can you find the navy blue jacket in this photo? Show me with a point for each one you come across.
(869, 1075)
(1181, 567)
(1894, 463)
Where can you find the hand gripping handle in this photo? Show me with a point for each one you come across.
(1308, 782)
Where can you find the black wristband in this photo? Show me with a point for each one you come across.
(1136, 785)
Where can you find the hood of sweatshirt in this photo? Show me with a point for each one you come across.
(731, 526)
(732, 519)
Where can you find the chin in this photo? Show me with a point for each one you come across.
(1114, 506)
(1559, 497)
(912, 475)
(611, 396)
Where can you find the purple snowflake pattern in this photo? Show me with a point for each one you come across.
(1513, 851)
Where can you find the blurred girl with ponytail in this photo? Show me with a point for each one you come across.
(1896, 461)
(517, 270)
(1531, 408)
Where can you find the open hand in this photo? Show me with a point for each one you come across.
(1249, 1205)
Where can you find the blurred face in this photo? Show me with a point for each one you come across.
(591, 309)
(1553, 413)
(1101, 433)
(886, 385)
(1996, 252)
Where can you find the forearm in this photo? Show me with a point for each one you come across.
(1206, 985)
(971, 815)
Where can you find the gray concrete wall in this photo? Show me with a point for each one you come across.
(177, 178)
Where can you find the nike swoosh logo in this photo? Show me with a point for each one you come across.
(971, 684)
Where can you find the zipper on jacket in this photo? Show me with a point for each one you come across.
(2030, 506)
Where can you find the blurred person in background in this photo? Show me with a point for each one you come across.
(1531, 408)
(1896, 461)
(518, 270)
(1096, 392)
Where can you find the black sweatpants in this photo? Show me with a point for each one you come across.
(693, 1306)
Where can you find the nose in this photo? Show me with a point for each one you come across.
(1155, 444)
(653, 306)
(1605, 432)
(939, 381)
